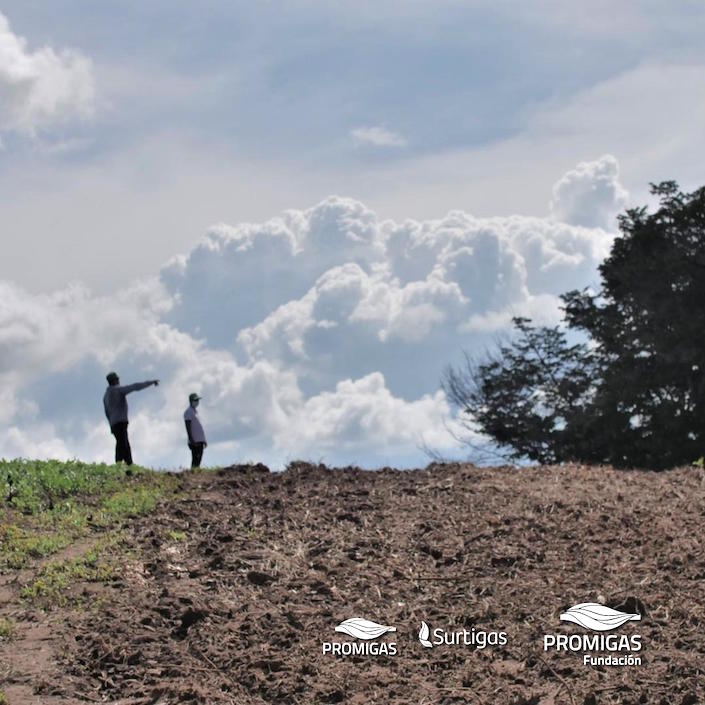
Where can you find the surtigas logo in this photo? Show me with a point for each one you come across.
(602, 649)
(476, 638)
(366, 633)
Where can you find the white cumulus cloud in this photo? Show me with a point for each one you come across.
(320, 333)
(364, 411)
(377, 136)
(41, 87)
(590, 194)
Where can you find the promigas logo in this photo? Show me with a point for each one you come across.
(477, 638)
(598, 617)
(614, 649)
(366, 632)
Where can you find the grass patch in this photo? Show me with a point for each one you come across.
(133, 500)
(18, 545)
(3, 698)
(51, 504)
(97, 565)
(5, 628)
(177, 535)
(35, 486)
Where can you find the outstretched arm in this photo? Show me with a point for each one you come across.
(127, 388)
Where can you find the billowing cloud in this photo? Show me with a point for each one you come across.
(364, 411)
(319, 333)
(49, 333)
(589, 195)
(42, 87)
(373, 292)
(377, 136)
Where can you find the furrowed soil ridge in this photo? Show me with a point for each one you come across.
(227, 592)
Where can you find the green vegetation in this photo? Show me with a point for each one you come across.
(95, 565)
(48, 505)
(133, 500)
(5, 628)
(19, 545)
(177, 535)
(34, 486)
(3, 699)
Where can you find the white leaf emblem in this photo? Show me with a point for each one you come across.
(363, 628)
(597, 617)
(424, 634)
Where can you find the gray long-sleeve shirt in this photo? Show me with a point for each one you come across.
(115, 400)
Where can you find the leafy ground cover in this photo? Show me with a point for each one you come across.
(48, 505)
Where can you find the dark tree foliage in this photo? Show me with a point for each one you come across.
(635, 395)
(531, 396)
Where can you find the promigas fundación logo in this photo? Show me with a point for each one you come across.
(602, 649)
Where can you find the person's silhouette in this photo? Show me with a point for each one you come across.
(194, 430)
(115, 404)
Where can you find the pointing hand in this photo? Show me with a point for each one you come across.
(155, 382)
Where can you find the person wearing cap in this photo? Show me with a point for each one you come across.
(194, 430)
(115, 405)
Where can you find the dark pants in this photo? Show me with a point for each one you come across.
(196, 454)
(122, 443)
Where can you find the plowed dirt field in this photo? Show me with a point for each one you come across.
(227, 593)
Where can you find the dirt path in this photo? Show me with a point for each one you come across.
(227, 594)
(32, 656)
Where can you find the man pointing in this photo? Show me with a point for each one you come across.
(115, 404)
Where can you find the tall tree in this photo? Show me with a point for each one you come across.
(530, 397)
(635, 394)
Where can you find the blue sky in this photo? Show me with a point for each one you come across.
(290, 79)
(133, 131)
(235, 111)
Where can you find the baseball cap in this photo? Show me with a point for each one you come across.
(193, 397)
